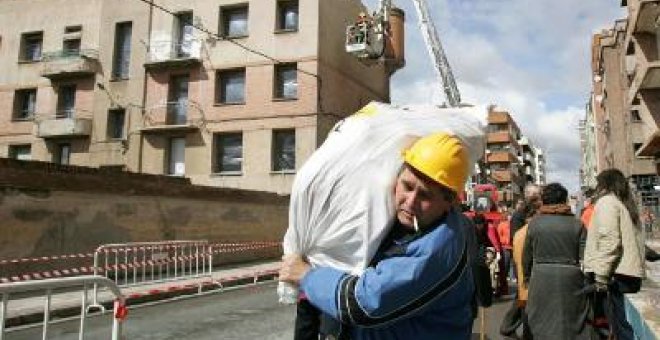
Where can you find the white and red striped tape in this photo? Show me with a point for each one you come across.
(47, 258)
(220, 283)
(224, 248)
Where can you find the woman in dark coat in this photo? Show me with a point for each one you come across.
(554, 246)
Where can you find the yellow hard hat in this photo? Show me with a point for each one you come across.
(441, 157)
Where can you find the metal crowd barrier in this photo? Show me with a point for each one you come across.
(137, 263)
(49, 285)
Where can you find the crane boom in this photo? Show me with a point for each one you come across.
(438, 57)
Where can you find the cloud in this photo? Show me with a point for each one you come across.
(529, 57)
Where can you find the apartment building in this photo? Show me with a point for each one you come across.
(231, 93)
(532, 161)
(503, 150)
(540, 176)
(588, 162)
(624, 96)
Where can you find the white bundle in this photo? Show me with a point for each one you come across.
(342, 198)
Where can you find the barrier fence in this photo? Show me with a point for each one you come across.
(152, 262)
(50, 285)
(60, 265)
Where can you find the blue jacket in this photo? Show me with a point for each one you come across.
(420, 288)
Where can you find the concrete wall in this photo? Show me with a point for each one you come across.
(48, 209)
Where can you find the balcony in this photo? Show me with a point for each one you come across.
(528, 158)
(498, 137)
(643, 19)
(646, 77)
(498, 117)
(502, 175)
(70, 63)
(64, 126)
(166, 54)
(500, 157)
(173, 117)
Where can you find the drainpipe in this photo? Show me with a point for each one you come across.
(144, 84)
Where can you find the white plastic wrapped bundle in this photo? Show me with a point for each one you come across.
(341, 201)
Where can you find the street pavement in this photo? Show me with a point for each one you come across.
(251, 312)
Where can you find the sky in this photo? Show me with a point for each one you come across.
(529, 57)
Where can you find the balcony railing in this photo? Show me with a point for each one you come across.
(70, 63)
(171, 53)
(173, 116)
(65, 124)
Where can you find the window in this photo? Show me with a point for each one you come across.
(286, 81)
(230, 87)
(116, 123)
(284, 150)
(66, 101)
(122, 53)
(71, 47)
(177, 157)
(287, 15)
(25, 103)
(177, 106)
(229, 152)
(184, 34)
(634, 116)
(62, 154)
(71, 43)
(234, 21)
(31, 46)
(20, 152)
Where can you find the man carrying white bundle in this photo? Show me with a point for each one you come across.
(418, 284)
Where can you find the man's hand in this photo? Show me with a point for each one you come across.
(294, 267)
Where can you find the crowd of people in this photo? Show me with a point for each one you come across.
(572, 271)
(436, 266)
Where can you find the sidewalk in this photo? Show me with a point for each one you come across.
(643, 308)
(29, 310)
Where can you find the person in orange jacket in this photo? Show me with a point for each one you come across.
(504, 230)
(588, 209)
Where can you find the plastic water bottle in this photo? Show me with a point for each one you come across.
(288, 293)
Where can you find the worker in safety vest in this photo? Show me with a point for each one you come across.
(419, 284)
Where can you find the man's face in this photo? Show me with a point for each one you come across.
(417, 196)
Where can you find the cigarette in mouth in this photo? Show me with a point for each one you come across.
(415, 223)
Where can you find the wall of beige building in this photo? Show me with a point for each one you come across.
(619, 107)
(15, 75)
(331, 85)
(347, 84)
(613, 99)
(126, 93)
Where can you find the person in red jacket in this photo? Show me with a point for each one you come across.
(494, 238)
(588, 209)
(504, 231)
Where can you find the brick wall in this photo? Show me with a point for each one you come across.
(48, 209)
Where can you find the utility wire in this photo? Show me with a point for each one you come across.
(245, 47)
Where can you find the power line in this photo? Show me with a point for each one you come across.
(214, 34)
